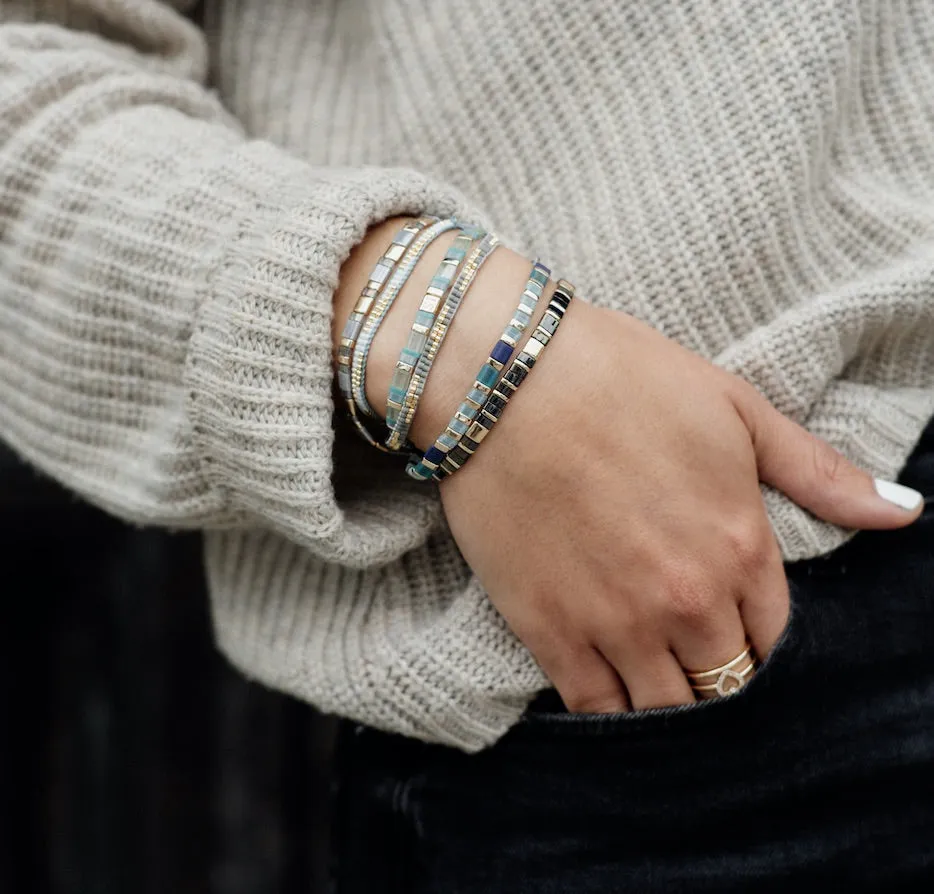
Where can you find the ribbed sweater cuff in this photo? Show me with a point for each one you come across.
(260, 369)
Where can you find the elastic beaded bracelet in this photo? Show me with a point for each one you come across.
(515, 375)
(424, 320)
(381, 308)
(399, 435)
(380, 273)
(424, 468)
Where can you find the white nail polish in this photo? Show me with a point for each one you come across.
(901, 496)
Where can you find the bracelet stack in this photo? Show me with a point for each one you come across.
(492, 387)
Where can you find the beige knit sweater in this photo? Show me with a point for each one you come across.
(754, 179)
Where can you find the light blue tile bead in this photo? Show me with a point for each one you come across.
(446, 440)
(457, 426)
(534, 288)
(476, 395)
(380, 272)
(513, 332)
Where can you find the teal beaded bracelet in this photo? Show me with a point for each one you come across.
(381, 308)
(422, 468)
(399, 435)
(380, 273)
(518, 370)
(424, 320)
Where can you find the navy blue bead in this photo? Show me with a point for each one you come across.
(501, 352)
(434, 455)
(494, 405)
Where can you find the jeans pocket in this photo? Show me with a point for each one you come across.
(778, 660)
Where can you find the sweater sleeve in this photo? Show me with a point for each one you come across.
(166, 288)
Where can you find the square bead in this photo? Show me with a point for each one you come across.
(488, 375)
(562, 299)
(364, 304)
(513, 332)
(540, 276)
(501, 351)
(380, 272)
(476, 396)
(448, 442)
(549, 323)
(405, 237)
(495, 404)
(434, 455)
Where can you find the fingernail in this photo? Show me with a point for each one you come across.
(904, 497)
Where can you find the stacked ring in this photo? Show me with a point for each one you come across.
(726, 679)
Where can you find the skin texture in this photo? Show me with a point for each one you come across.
(644, 547)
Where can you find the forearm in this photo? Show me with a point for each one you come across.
(166, 293)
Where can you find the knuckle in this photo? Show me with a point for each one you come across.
(689, 597)
(748, 545)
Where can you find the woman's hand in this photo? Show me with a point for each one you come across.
(614, 513)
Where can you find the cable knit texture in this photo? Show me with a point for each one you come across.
(756, 180)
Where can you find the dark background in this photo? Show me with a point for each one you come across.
(132, 758)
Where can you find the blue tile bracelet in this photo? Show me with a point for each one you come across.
(424, 319)
(424, 467)
(518, 370)
(351, 331)
(398, 437)
(381, 307)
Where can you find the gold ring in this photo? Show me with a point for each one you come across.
(725, 679)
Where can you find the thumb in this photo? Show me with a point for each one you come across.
(817, 477)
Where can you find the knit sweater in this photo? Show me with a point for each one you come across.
(755, 180)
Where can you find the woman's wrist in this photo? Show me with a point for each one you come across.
(490, 304)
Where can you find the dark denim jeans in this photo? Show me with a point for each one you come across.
(820, 772)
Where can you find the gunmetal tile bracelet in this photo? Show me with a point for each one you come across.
(518, 370)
